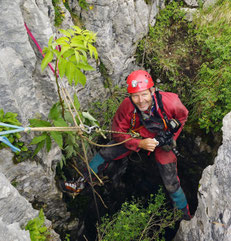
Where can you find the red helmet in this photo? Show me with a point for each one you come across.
(139, 80)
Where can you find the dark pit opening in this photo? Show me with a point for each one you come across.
(137, 176)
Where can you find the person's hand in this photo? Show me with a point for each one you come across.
(148, 144)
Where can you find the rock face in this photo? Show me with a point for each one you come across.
(212, 220)
(119, 24)
(24, 89)
(15, 212)
(35, 180)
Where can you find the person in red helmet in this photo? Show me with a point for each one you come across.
(158, 117)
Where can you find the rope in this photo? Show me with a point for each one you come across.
(78, 128)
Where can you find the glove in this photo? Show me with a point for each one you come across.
(169, 147)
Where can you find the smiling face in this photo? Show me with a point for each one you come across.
(142, 99)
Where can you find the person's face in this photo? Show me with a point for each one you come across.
(142, 99)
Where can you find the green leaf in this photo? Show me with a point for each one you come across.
(79, 77)
(76, 102)
(60, 123)
(39, 123)
(92, 51)
(70, 69)
(64, 49)
(71, 31)
(50, 41)
(77, 29)
(43, 229)
(77, 56)
(1, 114)
(38, 139)
(85, 66)
(62, 67)
(69, 151)
(46, 60)
(61, 164)
(62, 40)
(77, 41)
(54, 113)
(10, 115)
(57, 136)
(65, 32)
(24, 148)
(38, 148)
(88, 116)
(68, 117)
(48, 143)
(68, 53)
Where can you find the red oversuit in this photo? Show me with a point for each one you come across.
(166, 160)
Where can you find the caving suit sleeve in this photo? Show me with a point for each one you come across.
(122, 123)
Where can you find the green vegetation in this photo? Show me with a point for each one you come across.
(136, 222)
(38, 230)
(60, 15)
(68, 142)
(193, 60)
(211, 96)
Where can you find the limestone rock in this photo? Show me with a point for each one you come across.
(35, 181)
(212, 220)
(15, 212)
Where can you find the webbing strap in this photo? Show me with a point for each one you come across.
(5, 140)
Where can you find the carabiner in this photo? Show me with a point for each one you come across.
(89, 129)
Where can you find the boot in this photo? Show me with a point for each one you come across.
(186, 213)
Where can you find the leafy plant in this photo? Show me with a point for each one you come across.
(72, 59)
(36, 227)
(135, 222)
(14, 138)
(211, 96)
(68, 142)
(75, 46)
(59, 14)
(83, 4)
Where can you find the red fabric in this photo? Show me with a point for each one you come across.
(122, 122)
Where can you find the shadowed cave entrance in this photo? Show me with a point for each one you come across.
(138, 176)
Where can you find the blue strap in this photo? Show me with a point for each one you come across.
(17, 129)
(5, 140)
